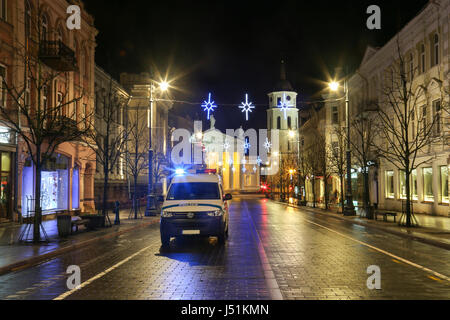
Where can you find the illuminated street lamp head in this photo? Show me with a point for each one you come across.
(164, 86)
(334, 86)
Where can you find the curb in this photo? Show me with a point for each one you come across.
(436, 243)
(30, 262)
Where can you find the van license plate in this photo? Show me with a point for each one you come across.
(191, 232)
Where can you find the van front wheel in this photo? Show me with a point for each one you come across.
(165, 239)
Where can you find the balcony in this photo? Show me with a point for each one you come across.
(57, 56)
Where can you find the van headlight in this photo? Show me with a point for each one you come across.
(217, 213)
(166, 214)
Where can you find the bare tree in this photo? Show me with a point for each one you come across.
(322, 163)
(363, 131)
(108, 137)
(30, 112)
(137, 154)
(337, 158)
(405, 130)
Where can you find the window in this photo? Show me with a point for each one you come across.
(444, 184)
(437, 117)
(278, 101)
(414, 185)
(59, 35)
(59, 101)
(2, 86)
(194, 191)
(44, 28)
(428, 184)
(422, 58)
(413, 124)
(424, 120)
(390, 184)
(279, 123)
(289, 123)
(402, 184)
(44, 98)
(3, 10)
(335, 115)
(435, 53)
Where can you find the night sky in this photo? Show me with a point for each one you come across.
(231, 48)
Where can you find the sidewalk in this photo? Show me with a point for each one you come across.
(434, 230)
(15, 256)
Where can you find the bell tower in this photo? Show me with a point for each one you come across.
(283, 113)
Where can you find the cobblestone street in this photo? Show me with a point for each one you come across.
(273, 252)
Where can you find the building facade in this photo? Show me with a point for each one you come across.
(37, 29)
(111, 110)
(423, 46)
(142, 89)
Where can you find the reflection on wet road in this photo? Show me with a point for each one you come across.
(273, 252)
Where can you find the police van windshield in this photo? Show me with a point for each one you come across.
(194, 191)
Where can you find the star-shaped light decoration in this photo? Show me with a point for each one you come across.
(247, 146)
(284, 105)
(267, 145)
(255, 169)
(259, 161)
(209, 106)
(246, 107)
(244, 170)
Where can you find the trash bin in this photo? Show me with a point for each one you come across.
(64, 223)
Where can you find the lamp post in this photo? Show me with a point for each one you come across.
(150, 210)
(349, 209)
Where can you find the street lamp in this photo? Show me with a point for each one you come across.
(163, 86)
(349, 209)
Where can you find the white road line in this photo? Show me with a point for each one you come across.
(444, 277)
(98, 276)
(271, 281)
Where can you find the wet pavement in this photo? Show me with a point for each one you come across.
(273, 252)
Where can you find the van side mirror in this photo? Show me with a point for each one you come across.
(228, 197)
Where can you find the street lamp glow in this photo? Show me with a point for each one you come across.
(291, 133)
(164, 86)
(334, 86)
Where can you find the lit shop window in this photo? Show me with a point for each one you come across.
(428, 184)
(444, 184)
(390, 184)
(402, 184)
(412, 186)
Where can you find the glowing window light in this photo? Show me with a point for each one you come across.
(209, 106)
(246, 107)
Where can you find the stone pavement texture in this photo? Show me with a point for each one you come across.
(13, 252)
(432, 229)
(273, 252)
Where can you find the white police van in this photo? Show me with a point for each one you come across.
(195, 205)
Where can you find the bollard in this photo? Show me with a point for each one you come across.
(117, 212)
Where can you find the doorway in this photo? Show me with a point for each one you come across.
(5, 185)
